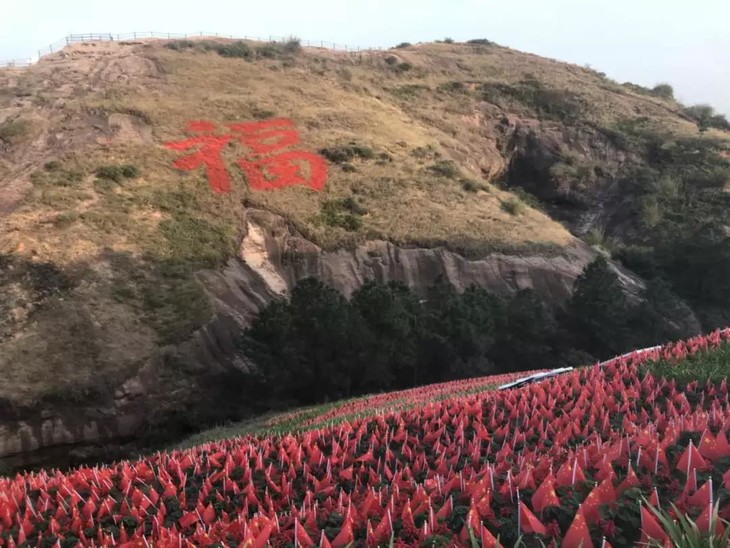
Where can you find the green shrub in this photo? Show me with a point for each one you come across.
(262, 114)
(448, 40)
(457, 87)
(596, 237)
(391, 60)
(66, 219)
(11, 131)
(345, 74)
(720, 121)
(706, 118)
(129, 171)
(557, 104)
(269, 51)
(345, 213)
(528, 198)
(480, 42)
(117, 173)
(179, 45)
(409, 91)
(237, 49)
(104, 185)
(346, 153)
(110, 172)
(470, 185)
(664, 91)
(445, 168)
(403, 67)
(425, 152)
(403, 45)
(384, 159)
(53, 165)
(196, 241)
(292, 46)
(513, 206)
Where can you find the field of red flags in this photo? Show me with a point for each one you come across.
(391, 401)
(568, 459)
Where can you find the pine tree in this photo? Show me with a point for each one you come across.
(599, 310)
(525, 334)
(392, 319)
(662, 316)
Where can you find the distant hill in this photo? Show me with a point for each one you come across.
(155, 195)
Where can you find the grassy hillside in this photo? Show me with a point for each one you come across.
(417, 141)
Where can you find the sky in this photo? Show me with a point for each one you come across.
(682, 42)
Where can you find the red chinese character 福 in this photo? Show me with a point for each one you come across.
(258, 135)
(264, 137)
(207, 152)
(286, 169)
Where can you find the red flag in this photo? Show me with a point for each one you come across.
(714, 448)
(323, 542)
(650, 527)
(690, 460)
(529, 522)
(262, 538)
(384, 528)
(702, 496)
(346, 474)
(302, 537)
(578, 535)
(629, 481)
(591, 504)
(209, 515)
(487, 538)
(570, 473)
(344, 537)
(188, 519)
(545, 496)
(654, 498)
(703, 521)
(445, 510)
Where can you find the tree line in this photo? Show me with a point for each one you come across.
(318, 346)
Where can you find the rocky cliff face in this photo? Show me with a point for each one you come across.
(576, 171)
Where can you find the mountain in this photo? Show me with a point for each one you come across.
(156, 195)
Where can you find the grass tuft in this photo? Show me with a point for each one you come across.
(514, 206)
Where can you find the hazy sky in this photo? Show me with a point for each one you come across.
(683, 42)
